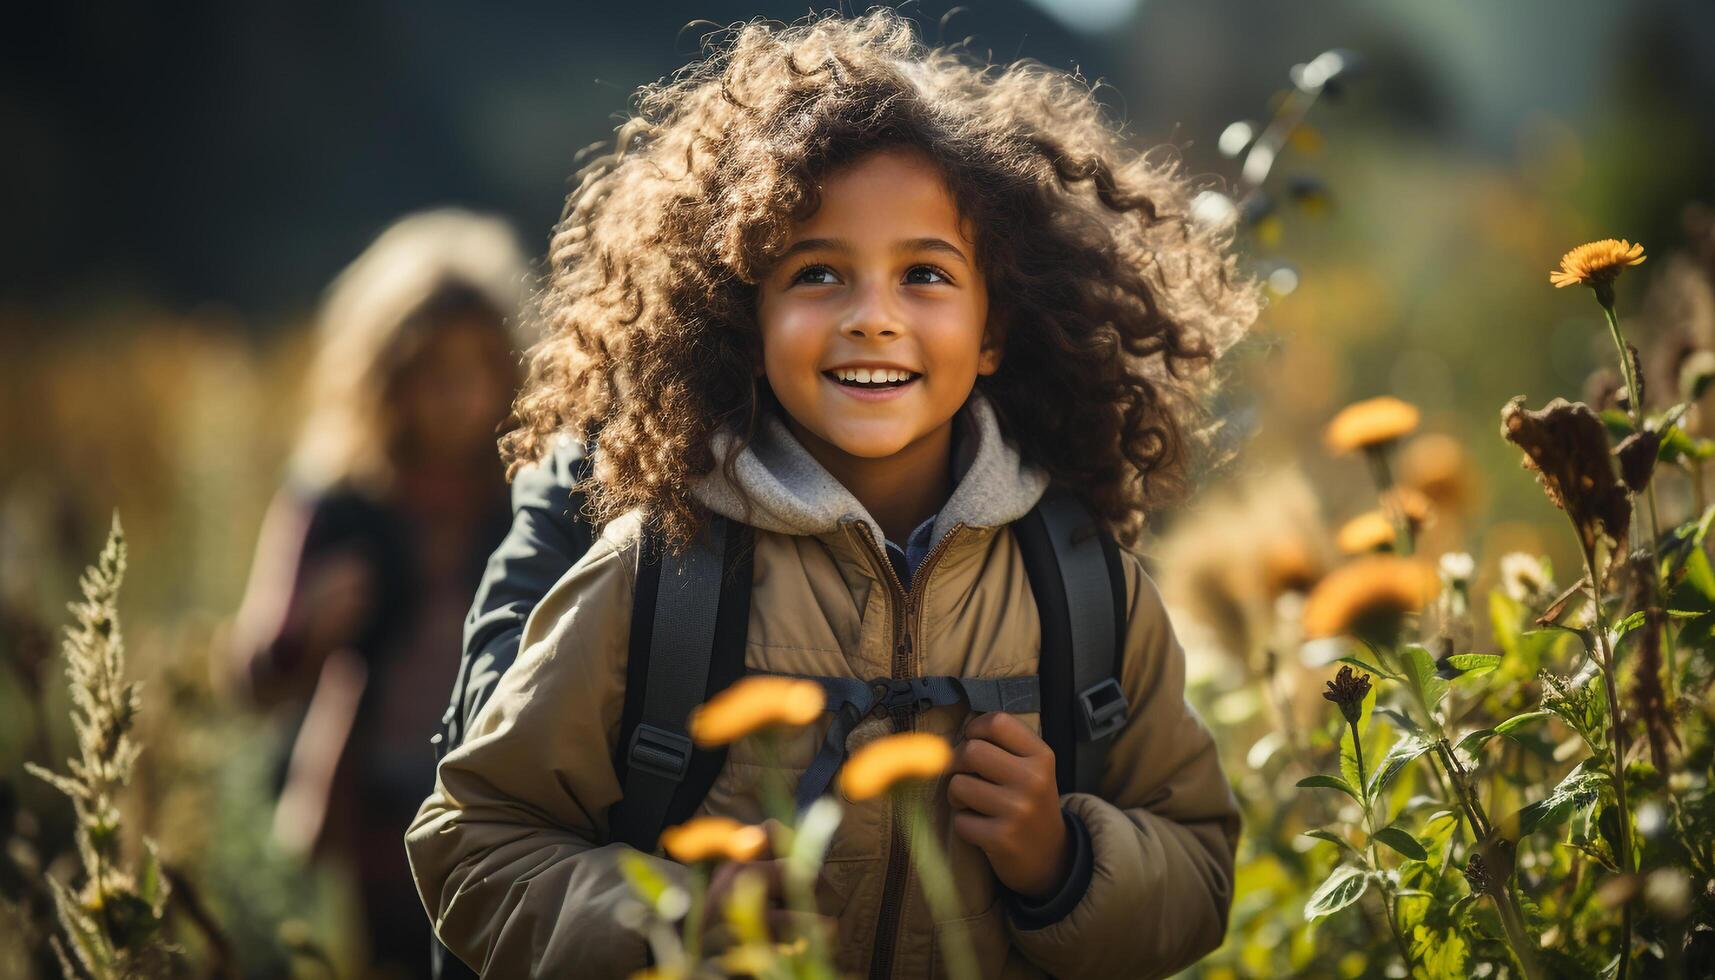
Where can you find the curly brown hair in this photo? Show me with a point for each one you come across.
(1113, 301)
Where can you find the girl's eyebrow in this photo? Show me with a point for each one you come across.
(841, 245)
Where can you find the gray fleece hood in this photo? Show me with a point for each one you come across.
(789, 492)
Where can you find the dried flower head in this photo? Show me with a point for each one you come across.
(1477, 875)
(1348, 690)
(1568, 447)
(714, 839)
(1637, 456)
(1370, 423)
(1370, 531)
(753, 704)
(1596, 262)
(1369, 597)
(893, 759)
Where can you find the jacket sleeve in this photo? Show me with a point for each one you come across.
(547, 537)
(506, 852)
(1161, 836)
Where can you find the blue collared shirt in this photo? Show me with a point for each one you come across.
(905, 560)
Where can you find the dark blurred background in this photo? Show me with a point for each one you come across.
(180, 182)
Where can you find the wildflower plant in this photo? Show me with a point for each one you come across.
(671, 916)
(113, 923)
(1530, 798)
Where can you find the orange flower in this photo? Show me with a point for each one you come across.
(891, 759)
(1289, 566)
(1369, 531)
(753, 704)
(1414, 504)
(1596, 262)
(1368, 596)
(1373, 422)
(714, 839)
(1437, 466)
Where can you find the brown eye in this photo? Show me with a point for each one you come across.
(926, 275)
(813, 275)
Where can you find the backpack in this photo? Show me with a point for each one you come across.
(690, 613)
(689, 617)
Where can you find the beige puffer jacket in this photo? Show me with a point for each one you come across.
(507, 851)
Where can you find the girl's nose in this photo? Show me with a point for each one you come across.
(872, 317)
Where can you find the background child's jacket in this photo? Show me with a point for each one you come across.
(508, 850)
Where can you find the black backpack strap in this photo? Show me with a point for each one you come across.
(1074, 572)
(690, 613)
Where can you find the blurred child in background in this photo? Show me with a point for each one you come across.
(368, 555)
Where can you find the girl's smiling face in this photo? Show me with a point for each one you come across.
(882, 282)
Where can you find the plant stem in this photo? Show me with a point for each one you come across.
(1635, 395)
(694, 917)
(937, 877)
(1375, 852)
(1617, 734)
(1376, 456)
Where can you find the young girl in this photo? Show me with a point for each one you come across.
(369, 554)
(872, 301)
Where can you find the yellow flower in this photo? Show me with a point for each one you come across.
(1369, 531)
(1373, 422)
(1439, 468)
(875, 768)
(1596, 262)
(755, 703)
(1368, 595)
(1288, 566)
(1413, 504)
(714, 839)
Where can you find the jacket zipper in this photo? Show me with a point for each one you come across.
(904, 719)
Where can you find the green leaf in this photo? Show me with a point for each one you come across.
(1631, 622)
(1402, 842)
(1346, 885)
(1580, 788)
(1475, 664)
(1367, 667)
(1398, 719)
(1334, 838)
(1421, 676)
(1699, 575)
(1404, 751)
(1471, 746)
(1520, 720)
(1324, 781)
(1506, 618)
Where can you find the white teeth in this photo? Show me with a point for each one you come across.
(872, 376)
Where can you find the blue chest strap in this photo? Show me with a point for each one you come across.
(851, 700)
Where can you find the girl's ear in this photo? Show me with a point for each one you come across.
(993, 348)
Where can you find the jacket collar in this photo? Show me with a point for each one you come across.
(789, 492)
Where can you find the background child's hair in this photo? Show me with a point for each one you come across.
(424, 270)
(1113, 302)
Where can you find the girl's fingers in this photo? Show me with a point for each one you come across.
(971, 793)
(988, 760)
(977, 830)
(1006, 731)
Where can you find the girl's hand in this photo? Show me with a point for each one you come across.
(1005, 802)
